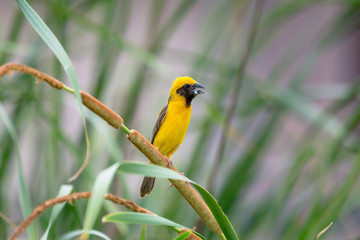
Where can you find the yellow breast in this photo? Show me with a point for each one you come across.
(173, 129)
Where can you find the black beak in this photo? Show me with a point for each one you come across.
(196, 90)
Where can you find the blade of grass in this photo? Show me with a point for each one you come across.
(115, 153)
(140, 218)
(157, 171)
(183, 236)
(49, 38)
(219, 215)
(64, 190)
(151, 171)
(74, 234)
(143, 232)
(25, 202)
(101, 186)
(137, 218)
(122, 229)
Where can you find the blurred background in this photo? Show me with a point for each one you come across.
(290, 164)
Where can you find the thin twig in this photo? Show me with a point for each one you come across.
(236, 92)
(323, 231)
(8, 220)
(126, 203)
(9, 68)
(75, 196)
(45, 205)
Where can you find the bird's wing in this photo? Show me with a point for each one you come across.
(159, 121)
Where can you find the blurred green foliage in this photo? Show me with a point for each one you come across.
(291, 162)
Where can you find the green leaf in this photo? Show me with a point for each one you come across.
(143, 232)
(100, 187)
(219, 215)
(183, 236)
(25, 202)
(151, 170)
(139, 218)
(111, 145)
(73, 234)
(157, 171)
(49, 38)
(64, 190)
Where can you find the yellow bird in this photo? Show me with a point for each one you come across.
(172, 122)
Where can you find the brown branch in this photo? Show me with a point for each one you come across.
(81, 195)
(128, 204)
(101, 110)
(135, 137)
(9, 68)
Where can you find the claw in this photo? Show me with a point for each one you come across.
(170, 165)
(171, 185)
(185, 177)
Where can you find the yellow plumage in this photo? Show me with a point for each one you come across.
(173, 129)
(172, 122)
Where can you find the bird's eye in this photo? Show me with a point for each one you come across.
(187, 85)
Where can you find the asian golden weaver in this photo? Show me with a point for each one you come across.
(172, 122)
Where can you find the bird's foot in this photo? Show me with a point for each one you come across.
(170, 165)
(171, 185)
(185, 177)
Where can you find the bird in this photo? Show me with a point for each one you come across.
(172, 123)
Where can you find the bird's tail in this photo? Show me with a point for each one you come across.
(147, 186)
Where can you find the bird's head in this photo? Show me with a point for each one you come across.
(185, 88)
